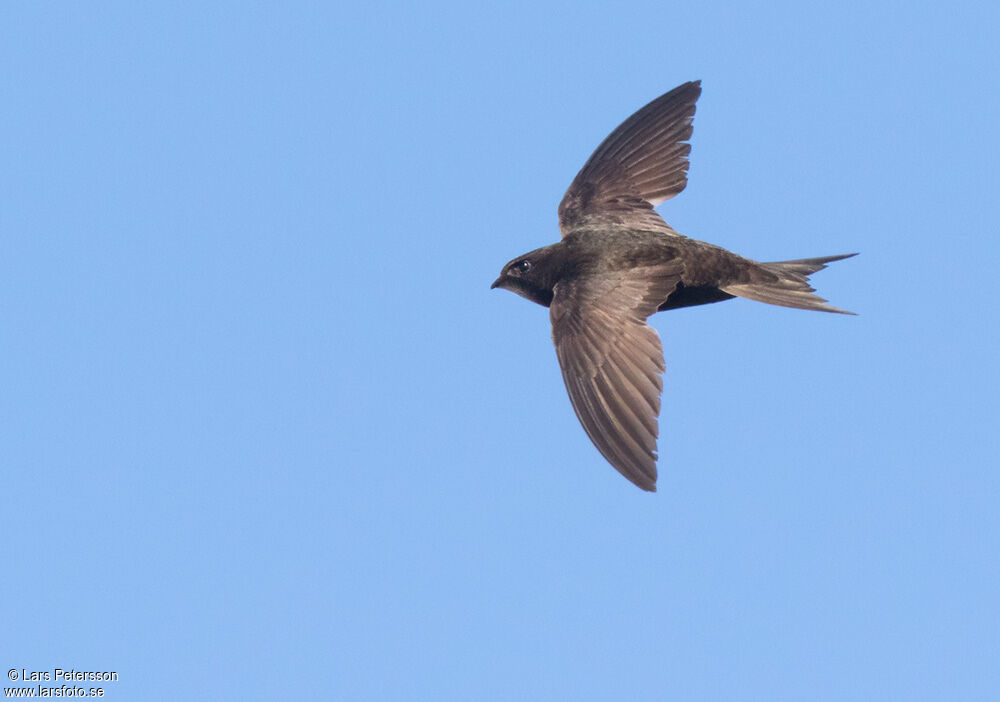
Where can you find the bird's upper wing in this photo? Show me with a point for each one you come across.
(612, 361)
(641, 164)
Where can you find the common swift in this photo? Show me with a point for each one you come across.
(619, 262)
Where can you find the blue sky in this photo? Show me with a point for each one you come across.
(266, 433)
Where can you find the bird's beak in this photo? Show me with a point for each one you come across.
(496, 283)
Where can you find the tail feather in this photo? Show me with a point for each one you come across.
(786, 283)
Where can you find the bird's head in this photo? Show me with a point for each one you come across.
(529, 276)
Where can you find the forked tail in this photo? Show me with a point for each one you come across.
(786, 283)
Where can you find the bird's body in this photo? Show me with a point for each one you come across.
(618, 262)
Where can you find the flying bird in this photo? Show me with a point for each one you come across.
(619, 262)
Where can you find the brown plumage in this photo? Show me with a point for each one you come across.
(619, 262)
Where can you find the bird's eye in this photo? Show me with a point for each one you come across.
(523, 266)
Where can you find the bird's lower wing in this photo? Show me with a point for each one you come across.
(612, 362)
